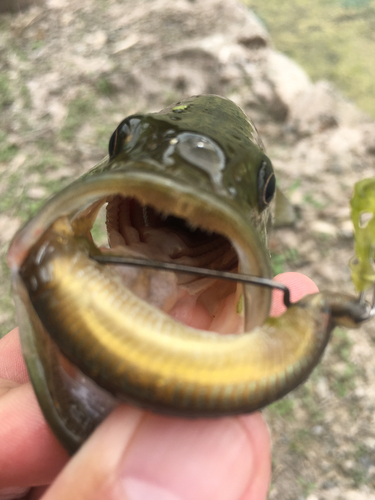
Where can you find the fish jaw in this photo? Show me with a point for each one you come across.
(78, 204)
(198, 208)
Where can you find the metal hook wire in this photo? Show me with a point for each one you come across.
(211, 273)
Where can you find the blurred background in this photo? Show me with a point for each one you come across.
(330, 39)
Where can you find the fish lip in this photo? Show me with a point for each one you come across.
(208, 211)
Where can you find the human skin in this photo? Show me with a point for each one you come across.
(133, 454)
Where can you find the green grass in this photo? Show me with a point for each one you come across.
(6, 94)
(25, 94)
(342, 344)
(47, 162)
(309, 199)
(80, 109)
(309, 398)
(363, 457)
(300, 442)
(330, 39)
(103, 132)
(16, 200)
(104, 86)
(7, 151)
(282, 408)
(307, 486)
(281, 262)
(37, 44)
(343, 382)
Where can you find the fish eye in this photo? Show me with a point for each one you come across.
(122, 136)
(266, 184)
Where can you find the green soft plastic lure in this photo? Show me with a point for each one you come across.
(363, 217)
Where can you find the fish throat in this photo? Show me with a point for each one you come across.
(141, 231)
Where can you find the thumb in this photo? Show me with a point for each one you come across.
(135, 455)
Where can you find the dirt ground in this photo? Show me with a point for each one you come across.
(71, 71)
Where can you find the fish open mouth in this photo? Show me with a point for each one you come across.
(182, 225)
(136, 230)
(105, 319)
(150, 218)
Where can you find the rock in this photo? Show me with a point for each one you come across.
(288, 78)
(36, 193)
(322, 107)
(315, 109)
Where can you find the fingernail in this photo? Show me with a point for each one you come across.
(137, 489)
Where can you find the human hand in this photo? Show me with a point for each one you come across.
(134, 454)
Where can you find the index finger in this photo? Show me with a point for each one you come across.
(12, 364)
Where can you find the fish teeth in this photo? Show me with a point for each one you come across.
(145, 216)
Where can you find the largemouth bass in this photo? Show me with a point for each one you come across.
(189, 185)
